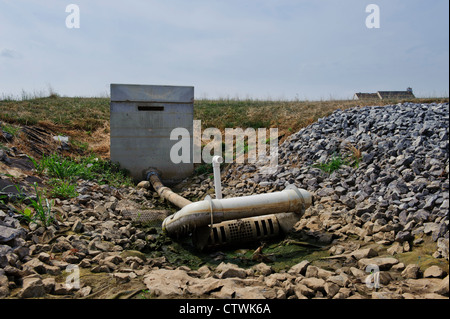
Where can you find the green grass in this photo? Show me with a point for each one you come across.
(60, 167)
(333, 164)
(62, 189)
(336, 161)
(64, 172)
(11, 129)
(86, 114)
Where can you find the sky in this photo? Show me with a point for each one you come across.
(259, 49)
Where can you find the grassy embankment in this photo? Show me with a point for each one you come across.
(86, 120)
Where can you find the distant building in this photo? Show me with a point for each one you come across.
(386, 95)
(366, 96)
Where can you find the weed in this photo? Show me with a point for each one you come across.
(57, 166)
(38, 166)
(203, 168)
(146, 294)
(89, 168)
(83, 146)
(10, 129)
(355, 155)
(42, 209)
(332, 164)
(104, 172)
(27, 215)
(352, 158)
(42, 212)
(62, 189)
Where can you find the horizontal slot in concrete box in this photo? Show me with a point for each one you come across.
(141, 120)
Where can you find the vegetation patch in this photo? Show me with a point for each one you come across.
(68, 170)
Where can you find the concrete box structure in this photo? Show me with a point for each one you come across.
(141, 120)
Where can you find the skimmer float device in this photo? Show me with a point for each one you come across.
(225, 221)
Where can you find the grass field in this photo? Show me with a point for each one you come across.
(86, 120)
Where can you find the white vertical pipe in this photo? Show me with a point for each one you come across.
(216, 161)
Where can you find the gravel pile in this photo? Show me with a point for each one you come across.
(401, 178)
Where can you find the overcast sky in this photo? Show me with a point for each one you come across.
(278, 49)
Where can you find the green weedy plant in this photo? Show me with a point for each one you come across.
(7, 128)
(89, 168)
(42, 209)
(355, 155)
(43, 212)
(332, 164)
(104, 172)
(352, 158)
(62, 189)
(61, 167)
(39, 167)
(56, 166)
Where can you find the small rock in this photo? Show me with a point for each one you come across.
(384, 263)
(331, 289)
(164, 282)
(100, 268)
(442, 244)
(4, 286)
(299, 268)
(77, 226)
(32, 287)
(115, 259)
(398, 267)
(44, 257)
(442, 288)
(395, 249)
(406, 246)
(121, 278)
(263, 269)
(41, 268)
(7, 233)
(337, 250)
(143, 184)
(313, 271)
(341, 280)
(358, 273)
(315, 284)
(364, 253)
(434, 272)
(228, 270)
(386, 295)
(385, 278)
(84, 292)
(302, 291)
(403, 236)
(49, 284)
(62, 289)
(412, 271)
